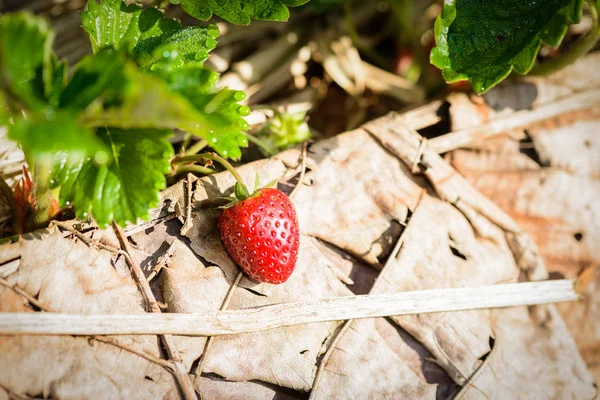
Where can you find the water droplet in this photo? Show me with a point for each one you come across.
(201, 55)
(85, 214)
(67, 203)
(166, 54)
(224, 152)
(213, 77)
(243, 125)
(239, 95)
(210, 43)
(243, 110)
(212, 30)
(175, 1)
(52, 181)
(101, 157)
(214, 140)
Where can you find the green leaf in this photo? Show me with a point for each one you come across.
(26, 58)
(99, 78)
(221, 122)
(146, 34)
(177, 93)
(111, 24)
(123, 190)
(240, 11)
(57, 76)
(43, 136)
(483, 41)
(114, 92)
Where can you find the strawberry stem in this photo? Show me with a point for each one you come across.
(214, 157)
(41, 178)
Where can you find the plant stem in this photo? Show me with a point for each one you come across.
(578, 50)
(41, 176)
(195, 169)
(196, 147)
(226, 164)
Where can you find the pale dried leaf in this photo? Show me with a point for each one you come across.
(557, 204)
(70, 277)
(441, 250)
(570, 142)
(218, 389)
(509, 372)
(362, 353)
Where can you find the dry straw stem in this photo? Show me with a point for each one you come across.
(381, 81)
(179, 371)
(34, 302)
(228, 322)
(518, 119)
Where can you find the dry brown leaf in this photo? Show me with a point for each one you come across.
(214, 388)
(362, 352)
(529, 361)
(70, 277)
(555, 200)
(285, 357)
(440, 250)
(480, 212)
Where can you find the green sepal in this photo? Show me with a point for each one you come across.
(241, 193)
(256, 182)
(271, 184)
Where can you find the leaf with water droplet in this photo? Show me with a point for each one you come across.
(146, 34)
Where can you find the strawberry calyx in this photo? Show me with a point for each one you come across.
(240, 190)
(241, 193)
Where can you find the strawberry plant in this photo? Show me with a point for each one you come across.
(98, 140)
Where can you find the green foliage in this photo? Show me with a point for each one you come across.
(178, 91)
(43, 136)
(284, 130)
(240, 11)
(105, 129)
(483, 41)
(25, 51)
(146, 35)
(123, 190)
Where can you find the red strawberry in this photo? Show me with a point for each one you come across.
(261, 234)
